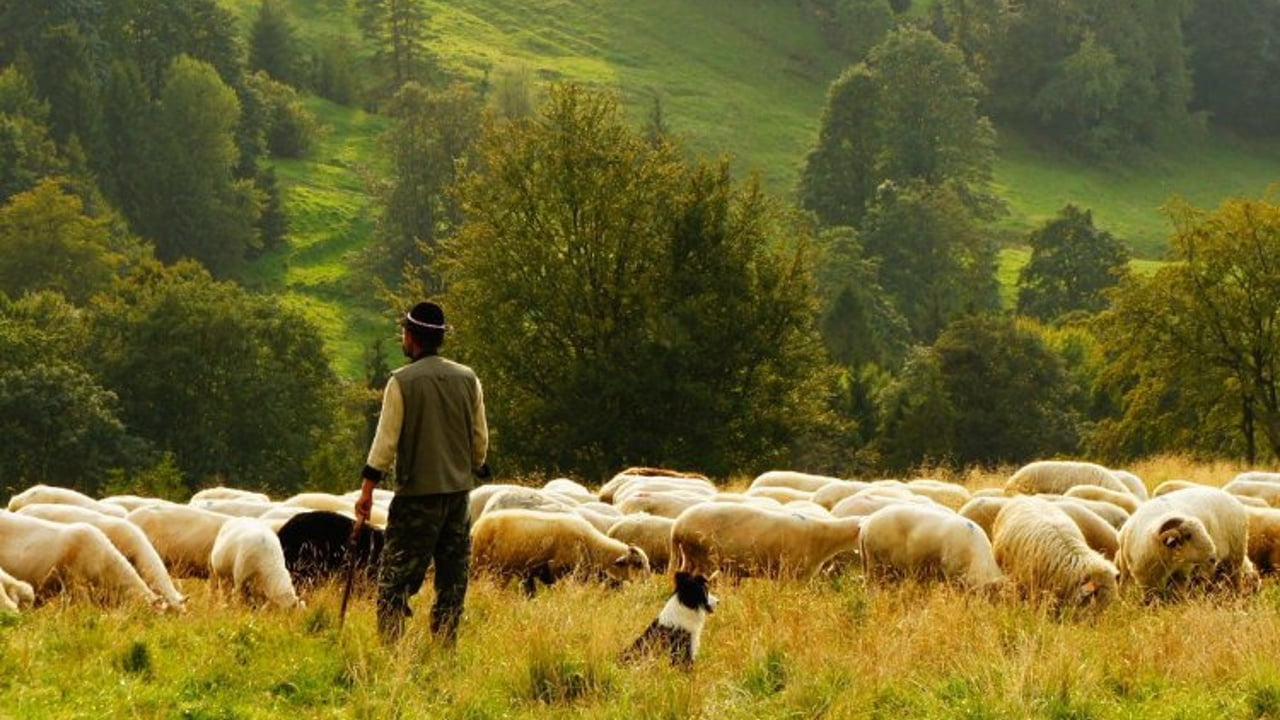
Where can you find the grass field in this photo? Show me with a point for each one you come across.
(832, 648)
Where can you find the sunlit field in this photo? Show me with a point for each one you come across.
(833, 647)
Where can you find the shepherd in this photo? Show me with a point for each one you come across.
(432, 429)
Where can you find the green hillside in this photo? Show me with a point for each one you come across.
(744, 78)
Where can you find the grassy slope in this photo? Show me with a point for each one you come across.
(744, 78)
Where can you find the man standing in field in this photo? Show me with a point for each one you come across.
(433, 429)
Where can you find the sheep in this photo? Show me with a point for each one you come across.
(928, 542)
(1043, 552)
(1123, 500)
(237, 508)
(248, 556)
(988, 492)
(1098, 533)
(477, 498)
(662, 485)
(946, 494)
(1114, 515)
(131, 502)
(747, 540)
(315, 545)
(808, 507)
(1169, 486)
(731, 497)
(1264, 539)
(525, 498)
(833, 493)
(1267, 492)
(181, 534)
(54, 556)
(643, 474)
(1258, 476)
(1056, 476)
(226, 493)
(571, 489)
(49, 494)
(983, 510)
(666, 504)
(865, 503)
(650, 533)
(1191, 534)
(126, 537)
(1134, 483)
(15, 594)
(783, 495)
(793, 480)
(536, 545)
(598, 520)
(335, 503)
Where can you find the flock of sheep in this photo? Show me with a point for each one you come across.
(1066, 533)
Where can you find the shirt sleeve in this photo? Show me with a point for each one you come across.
(382, 453)
(479, 430)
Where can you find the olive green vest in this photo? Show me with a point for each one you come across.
(434, 454)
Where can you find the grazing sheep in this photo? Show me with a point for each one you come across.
(988, 492)
(183, 535)
(535, 545)
(946, 494)
(1123, 500)
(793, 480)
(316, 542)
(1114, 515)
(1187, 535)
(783, 495)
(650, 533)
(1044, 553)
(226, 493)
(1098, 533)
(1134, 483)
(867, 502)
(131, 502)
(247, 556)
(1057, 476)
(928, 543)
(48, 494)
(598, 520)
(662, 485)
(52, 557)
(237, 508)
(747, 540)
(983, 510)
(1169, 486)
(808, 507)
(829, 495)
(1267, 492)
(477, 498)
(15, 594)
(1264, 539)
(525, 498)
(648, 474)
(677, 630)
(127, 538)
(1258, 476)
(730, 497)
(576, 491)
(666, 504)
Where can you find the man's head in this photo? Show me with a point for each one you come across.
(424, 330)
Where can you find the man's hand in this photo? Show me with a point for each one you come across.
(483, 472)
(364, 504)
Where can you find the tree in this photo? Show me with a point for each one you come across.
(934, 260)
(1072, 265)
(27, 153)
(235, 385)
(397, 30)
(1197, 344)
(987, 392)
(47, 242)
(272, 45)
(910, 112)
(196, 207)
(1233, 58)
(632, 307)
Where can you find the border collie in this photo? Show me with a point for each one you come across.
(678, 627)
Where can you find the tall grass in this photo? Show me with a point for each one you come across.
(830, 648)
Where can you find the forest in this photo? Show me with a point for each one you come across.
(627, 296)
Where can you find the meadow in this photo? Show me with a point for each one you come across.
(831, 648)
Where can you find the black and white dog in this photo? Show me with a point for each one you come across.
(678, 627)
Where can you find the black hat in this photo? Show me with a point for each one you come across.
(425, 316)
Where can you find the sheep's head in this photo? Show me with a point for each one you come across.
(1187, 542)
(1099, 586)
(628, 566)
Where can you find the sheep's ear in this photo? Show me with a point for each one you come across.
(1170, 532)
(621, 561)
(1089, 587)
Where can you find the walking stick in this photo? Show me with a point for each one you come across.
(352, 545)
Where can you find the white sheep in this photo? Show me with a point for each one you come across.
(1098, 533)
(1187, 535)
(1123, 500)
(598, 520)
(15, 594)
(1169, 486)
(663, 485)
(1057, 476)
(536, 545)
(793, 480)
(983, 510)
(1264, 539)
(1044, 553)
(65, 496)
(131, 502)
(564, 486)
(833, 493)
(650, 533)
(336, 503)
(53, 556)
(946, 494)
(1267, 492)
(748, 540)
(1133, 482)
(928, 542)
(525, 498)
(181, 534)
(477, 498)
(1113, 514)
(646, 475)
(128, 539)
(666, 504)
(1258, 476)
(241, 508)
(247, 556)
(868, 501)
(227, 493)
(783, 495)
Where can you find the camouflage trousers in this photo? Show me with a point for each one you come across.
(422, 529)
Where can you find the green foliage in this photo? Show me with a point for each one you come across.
(859, 321)
(234, 385)
(396, 30)
(291, 130)
(987, 392)
(1195, 347)
(634, 308)
(273, 49)
(1234, 62)
(1072, 265)
(27, 153)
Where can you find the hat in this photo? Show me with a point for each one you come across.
(425, 316)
